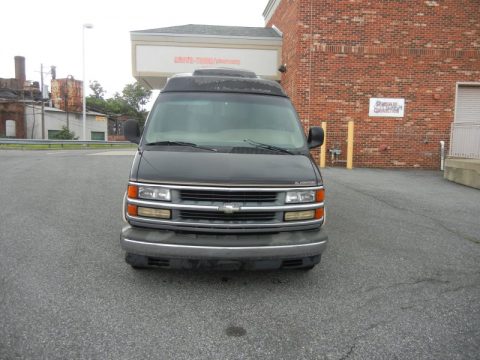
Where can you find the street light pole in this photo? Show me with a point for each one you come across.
(85, 26)
(43, 104)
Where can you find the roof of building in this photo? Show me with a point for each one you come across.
(88, 112)
(270, 9)
(8, 94)
(214, 30)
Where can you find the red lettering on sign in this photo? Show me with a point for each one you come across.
(227, 61)
(183, 60)
(205, 60)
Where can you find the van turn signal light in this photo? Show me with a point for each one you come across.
(319, 213)
(132, 210)
(320, 195)
(132, 191)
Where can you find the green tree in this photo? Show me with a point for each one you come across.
(136, 95)
(64, 134)
(98, 91)
(130, 102)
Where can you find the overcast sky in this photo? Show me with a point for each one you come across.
(50, 32)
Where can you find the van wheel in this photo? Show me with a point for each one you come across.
(312, 263)
(137, 262)
(136, 267)
(307, 268)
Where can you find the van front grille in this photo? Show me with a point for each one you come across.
(228, 196)
(216, 215)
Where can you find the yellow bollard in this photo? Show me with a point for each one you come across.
(350, 145)
(323, 148)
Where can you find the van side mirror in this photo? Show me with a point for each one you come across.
(315, 137)
(131, 130)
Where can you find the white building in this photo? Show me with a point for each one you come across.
(160, 53)
(96, 123)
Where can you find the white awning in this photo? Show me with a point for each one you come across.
(160, 53)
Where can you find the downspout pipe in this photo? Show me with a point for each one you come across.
(442, 155)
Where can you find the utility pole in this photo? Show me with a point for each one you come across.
(43, 105)
(66, 101)
(84, 91)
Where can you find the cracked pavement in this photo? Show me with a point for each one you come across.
(400, 278)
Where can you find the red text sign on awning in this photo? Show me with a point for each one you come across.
(205, 60)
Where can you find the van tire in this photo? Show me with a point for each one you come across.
(316, 260)
(307, 268)
(137, 262)
(136, 267)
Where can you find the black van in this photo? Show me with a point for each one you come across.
(223, 178)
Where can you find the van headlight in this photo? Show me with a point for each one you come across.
(154, 213)
(153, 193)
(300, 196)
(299, 215)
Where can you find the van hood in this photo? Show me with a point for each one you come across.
(211, 168)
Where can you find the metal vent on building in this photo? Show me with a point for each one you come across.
(468, 104)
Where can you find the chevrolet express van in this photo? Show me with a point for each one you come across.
(223, 178)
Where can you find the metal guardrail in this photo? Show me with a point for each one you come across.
(61, 142)
(465, 140)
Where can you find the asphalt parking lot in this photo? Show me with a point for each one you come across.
(400, 278)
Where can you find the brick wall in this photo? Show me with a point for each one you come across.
(286, 15)
(339, 54)
(12, 111)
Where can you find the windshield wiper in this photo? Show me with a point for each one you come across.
(181, 143)
(268, 146)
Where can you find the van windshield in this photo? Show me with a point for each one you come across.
(224, 120)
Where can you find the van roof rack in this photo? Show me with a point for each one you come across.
(225, 72)
(222, 80)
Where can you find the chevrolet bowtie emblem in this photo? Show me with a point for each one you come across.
(229, 208)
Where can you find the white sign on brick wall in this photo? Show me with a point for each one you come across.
(386, 107)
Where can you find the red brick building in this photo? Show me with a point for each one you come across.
(13, 94)
(341, 53)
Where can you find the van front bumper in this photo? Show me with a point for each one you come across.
(167, 244)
